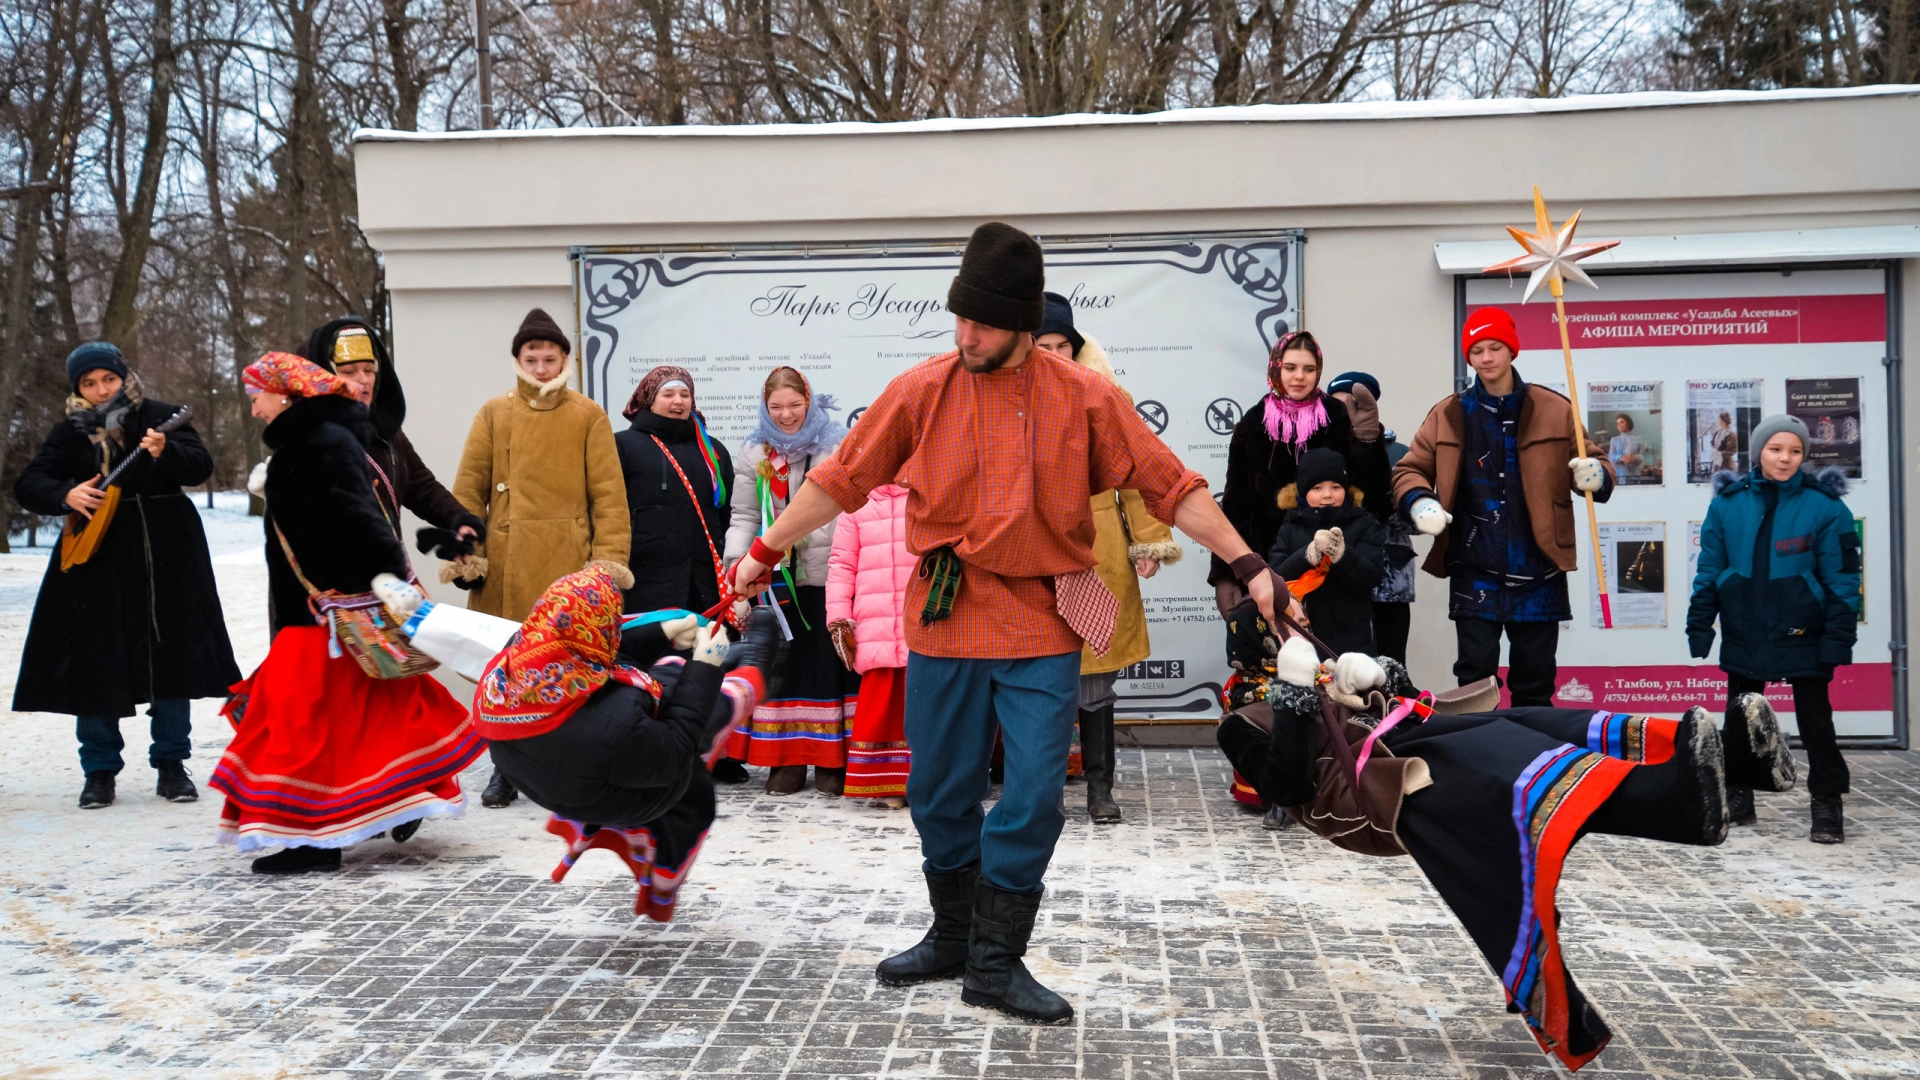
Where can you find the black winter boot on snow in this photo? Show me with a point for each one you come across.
(97, 791)
(500, 791)
(1829, 822)
(1760, 761)
(1276, 818)
(1096, 761)
(943, 951)
(174, 784)
(1740, 806)
(298, 860)
(403, 833)
(996, 977)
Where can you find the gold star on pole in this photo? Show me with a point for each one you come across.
(1551, 256)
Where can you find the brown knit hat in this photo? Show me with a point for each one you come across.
(539, 326)
(1002, 279)
(649, 388)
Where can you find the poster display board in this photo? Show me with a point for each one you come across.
(1186, 321)
(1734, 347)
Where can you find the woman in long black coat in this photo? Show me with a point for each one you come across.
(140, 622)
(1264, 454)
(679, 526)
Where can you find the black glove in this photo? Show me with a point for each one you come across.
(468, 586)
(447, 544)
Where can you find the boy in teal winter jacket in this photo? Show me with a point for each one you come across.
(1780, 568)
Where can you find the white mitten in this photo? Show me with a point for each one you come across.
(1428, 517)
(257, 481)
(1588, 474)
(400, 597)
(710, 644)
(1336, 541)
(1297, 662)
(1356, 673)
(1317, 547)
(682, 632)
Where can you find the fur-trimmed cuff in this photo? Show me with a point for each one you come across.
(472, 568)
(621, 575)
(1164, 552)
(1299, 700)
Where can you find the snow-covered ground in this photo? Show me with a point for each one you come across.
(1193, 942)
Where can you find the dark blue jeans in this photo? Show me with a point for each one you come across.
(953, 706)
(100, 741)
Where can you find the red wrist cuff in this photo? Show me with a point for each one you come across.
(763, 554)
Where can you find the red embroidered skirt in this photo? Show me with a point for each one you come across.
(323, 756)
(877, 755)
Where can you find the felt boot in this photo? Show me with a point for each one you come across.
(404, 833)
(1757, 754)
(996, 976)
(1740, 806)
(174, 784)
(830, 781)
(298, 860)
(1829, 821)
(943, 951)
(730, 772)
(786, 779)
(1096, 760)
(97, 791)
(500, 791)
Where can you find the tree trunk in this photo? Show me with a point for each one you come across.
(136, 229)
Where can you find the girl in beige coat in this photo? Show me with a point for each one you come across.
(541, 469)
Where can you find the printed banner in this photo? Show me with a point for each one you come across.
(1721, 415)
(1831, 410)
(1636, 573)
(1746, 320)
(1625, 419)
(1186, 323)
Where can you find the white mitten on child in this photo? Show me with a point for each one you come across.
(1428, 517)
(1317, 547)
(1356, 673)
(1297, 663)
(1336, 544)
(710, 644)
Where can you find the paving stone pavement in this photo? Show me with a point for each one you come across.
(1192, 942)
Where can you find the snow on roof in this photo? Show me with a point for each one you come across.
(1237, 114)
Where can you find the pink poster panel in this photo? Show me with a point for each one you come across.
(1673, 689)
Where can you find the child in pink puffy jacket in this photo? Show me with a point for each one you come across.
(867, 575)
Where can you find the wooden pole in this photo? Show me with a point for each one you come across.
(1580, 451)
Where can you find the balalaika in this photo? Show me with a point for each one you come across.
(81, 536)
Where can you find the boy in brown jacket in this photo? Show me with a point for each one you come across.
(1493, 456)
(541, 469)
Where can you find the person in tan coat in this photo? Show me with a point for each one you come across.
(1129, 544)
(540, 468)
(1491, 477)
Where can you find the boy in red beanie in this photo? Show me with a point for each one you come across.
(1496, 452)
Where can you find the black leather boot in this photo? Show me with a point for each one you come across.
(1760, 761)
(97, 791)
(1096, 761)
(174, 784)
(996, 977)
(500, 791)
(942, 953)
(1829, 821)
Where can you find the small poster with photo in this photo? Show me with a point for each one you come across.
(1831, 410)
(1721, 416)
(1636, 556)
(1624, 418)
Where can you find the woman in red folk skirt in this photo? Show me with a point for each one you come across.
(324, 755)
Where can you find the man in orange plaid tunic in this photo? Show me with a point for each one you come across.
(1001, 446)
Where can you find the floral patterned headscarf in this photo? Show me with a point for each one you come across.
(564, 653)
(294, 376)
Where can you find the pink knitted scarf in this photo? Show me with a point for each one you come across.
(1294, 422)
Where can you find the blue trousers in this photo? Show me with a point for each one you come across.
(953, 706)
(100, 741)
